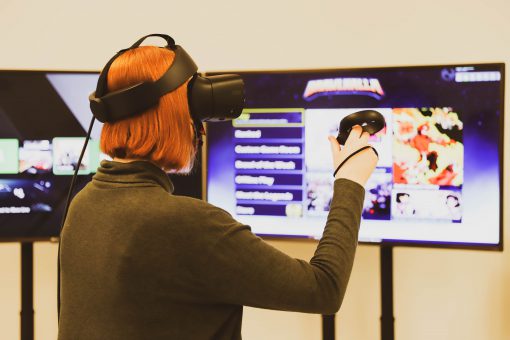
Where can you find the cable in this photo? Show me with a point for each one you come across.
(68, 201)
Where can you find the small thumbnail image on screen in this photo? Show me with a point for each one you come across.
(377, 204)
(35, 157)
(319, 193)
(9, 152)
(426, 204)
(23, 196)
(427, 147)
(66, 153)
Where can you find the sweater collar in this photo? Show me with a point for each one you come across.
(133, 172)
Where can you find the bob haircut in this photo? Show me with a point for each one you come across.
(163, 135)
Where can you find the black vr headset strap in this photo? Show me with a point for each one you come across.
(95, 97)
(124, 103)
(102, 83)
(169, 40)
(182, 69)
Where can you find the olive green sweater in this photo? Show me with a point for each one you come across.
(141, 263)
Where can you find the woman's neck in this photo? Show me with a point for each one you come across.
(127, 160)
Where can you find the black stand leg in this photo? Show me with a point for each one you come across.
(387, 318)
(328, 327)
(27, 291)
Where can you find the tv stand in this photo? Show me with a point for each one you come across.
(387, 317)
(27, 291)
(328, 327)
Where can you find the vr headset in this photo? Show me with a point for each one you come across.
(214, 98)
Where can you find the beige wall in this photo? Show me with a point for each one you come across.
(439, 294)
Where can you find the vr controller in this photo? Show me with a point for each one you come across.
(370, 121)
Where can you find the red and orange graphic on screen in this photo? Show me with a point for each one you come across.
(427, 147)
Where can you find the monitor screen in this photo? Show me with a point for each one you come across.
(44, 117)
(438, 178)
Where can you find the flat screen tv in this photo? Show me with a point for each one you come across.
(44, 116)
(438, 181)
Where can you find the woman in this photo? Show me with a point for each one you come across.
(140, 263)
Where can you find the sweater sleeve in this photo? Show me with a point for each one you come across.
(241, 268)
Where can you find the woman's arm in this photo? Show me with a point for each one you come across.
(243, 269)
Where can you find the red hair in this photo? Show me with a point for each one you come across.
(163, 134)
